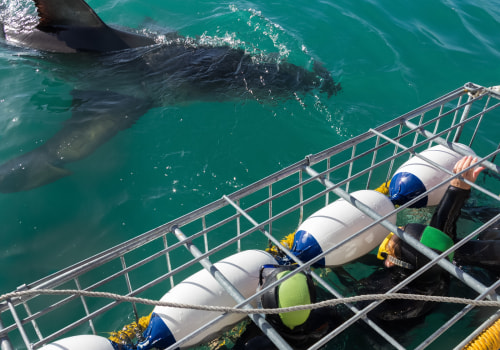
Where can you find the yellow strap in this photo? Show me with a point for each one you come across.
(129, 331)
(489, 339)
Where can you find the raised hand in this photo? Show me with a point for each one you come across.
(470, 175)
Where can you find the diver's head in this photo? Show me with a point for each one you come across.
(396, 252)
(390, 251)
(296, 290)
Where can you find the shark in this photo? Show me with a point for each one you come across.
(119, 75)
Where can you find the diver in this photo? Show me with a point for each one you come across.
(401, 259)
(300, 328)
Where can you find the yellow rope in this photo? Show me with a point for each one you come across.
(384, 188)
(286, 242)
(489, 339)
(130, 331)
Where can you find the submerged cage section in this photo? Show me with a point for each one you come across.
(261, 214)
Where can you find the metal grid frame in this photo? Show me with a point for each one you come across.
(260, 214)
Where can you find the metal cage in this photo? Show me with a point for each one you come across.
(261, 214)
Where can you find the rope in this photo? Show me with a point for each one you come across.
(384, 188)
(223, 309)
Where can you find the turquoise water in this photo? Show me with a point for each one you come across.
(390, 57)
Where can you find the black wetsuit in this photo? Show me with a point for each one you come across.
(447, 212)
(483, 252)
(435, 281)
(320, 322)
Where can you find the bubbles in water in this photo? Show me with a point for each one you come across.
(18, 15)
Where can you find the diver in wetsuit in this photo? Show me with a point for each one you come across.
(301, 328)
(401, 259)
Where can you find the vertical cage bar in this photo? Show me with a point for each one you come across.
(420, 122)
(391, 164)
(479, 121)
(169, 263)
(205, 236)
(436, 127)
(238, 230)
(29, 313)
(20, 326)
(301, 198)
(374, 160)
(455, 115)
(33, 322)
(353, 154)
(129, 286)
(328, 166)
(85, 306)
(464, 116)
(4, 342)
(270, 230)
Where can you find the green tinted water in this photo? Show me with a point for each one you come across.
(389, 56)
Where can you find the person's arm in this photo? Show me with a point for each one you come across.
(447, 212)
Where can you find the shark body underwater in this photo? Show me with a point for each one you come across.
(70, 33)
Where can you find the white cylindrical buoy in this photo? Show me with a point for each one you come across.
(338, 221)
(80, 342)
(416, 176)
(168, 324)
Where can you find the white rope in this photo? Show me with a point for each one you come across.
(331, 302)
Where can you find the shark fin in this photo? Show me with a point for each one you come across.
(79, 28)
(56, 14)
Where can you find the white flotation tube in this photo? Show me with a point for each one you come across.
(168, 325)
(416, 176)
(338, 221)
(81, 342)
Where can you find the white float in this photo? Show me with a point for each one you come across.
(81, 342)
(416, 176)
(241, 269)
(338, 221)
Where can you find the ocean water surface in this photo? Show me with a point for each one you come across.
(389, 57)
